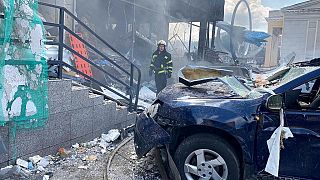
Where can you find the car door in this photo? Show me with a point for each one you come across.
(301, 153)
(300, 156)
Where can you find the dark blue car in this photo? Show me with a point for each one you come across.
(219, 130)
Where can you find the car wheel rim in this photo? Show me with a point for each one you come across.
(205, 164)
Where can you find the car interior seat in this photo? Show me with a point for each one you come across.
(291, 99)
(315, 104)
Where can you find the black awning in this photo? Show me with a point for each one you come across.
(197, 10)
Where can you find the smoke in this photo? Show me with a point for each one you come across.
(259, 13)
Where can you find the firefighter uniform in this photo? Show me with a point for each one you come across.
(161, 66)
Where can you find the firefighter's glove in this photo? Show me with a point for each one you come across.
(150, 72)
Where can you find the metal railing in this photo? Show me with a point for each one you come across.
(131, 87)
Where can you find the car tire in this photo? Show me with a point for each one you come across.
(214, 147)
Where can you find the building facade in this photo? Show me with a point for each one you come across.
(295, 29)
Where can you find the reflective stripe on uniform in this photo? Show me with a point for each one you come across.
(154, 56)
(169, 62)
(162, 71)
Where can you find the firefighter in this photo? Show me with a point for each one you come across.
(161, 66)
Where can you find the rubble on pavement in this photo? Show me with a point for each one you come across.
(127, 166)
(82, 161)
(82, 156)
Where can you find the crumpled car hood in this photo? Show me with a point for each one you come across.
(210, 90)
(213, 95)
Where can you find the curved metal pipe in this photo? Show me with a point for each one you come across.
(233, 53)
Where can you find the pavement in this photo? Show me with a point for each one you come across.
(88, 161)
(126, 166)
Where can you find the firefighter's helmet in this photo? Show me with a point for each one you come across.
(162, 42)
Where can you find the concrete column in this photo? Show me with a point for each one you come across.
(202, 38)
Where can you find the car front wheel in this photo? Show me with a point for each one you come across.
(206, 157)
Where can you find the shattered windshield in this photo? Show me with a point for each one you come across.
(246, 92)
(239, 88)
(294, 73)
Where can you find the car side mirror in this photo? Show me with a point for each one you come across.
(274, 102)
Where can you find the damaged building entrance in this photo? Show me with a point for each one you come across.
(150, 21)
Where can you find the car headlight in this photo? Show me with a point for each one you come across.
(153, 110)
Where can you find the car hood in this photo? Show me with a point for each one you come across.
(212, 95)
(211, 90)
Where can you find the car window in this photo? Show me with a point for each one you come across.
(239, 88)
(306, 96)
(307, 87)
(294, 73)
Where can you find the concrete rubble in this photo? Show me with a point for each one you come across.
(80, 155)
(83, 161)
(111, 136)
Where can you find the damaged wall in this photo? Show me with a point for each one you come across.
(23, 65)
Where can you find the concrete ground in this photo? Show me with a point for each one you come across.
(90, 163)
(126, 166)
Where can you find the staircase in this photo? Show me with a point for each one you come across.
(75, 116)
(130, 84)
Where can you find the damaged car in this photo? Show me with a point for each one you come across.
(219, 129)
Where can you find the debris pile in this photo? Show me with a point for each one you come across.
(89, 156)
(35, 166)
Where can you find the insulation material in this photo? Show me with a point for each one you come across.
(194, 75)
(23, 65)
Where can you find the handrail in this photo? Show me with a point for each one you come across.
(133, 93)
(94, 80)
(91, 47)
(94, 64)
(90, 30)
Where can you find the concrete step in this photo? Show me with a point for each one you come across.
(96, 99)
(59, 95)
(120, 117)
(59, 87)
(126, 118)
(80, 98)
